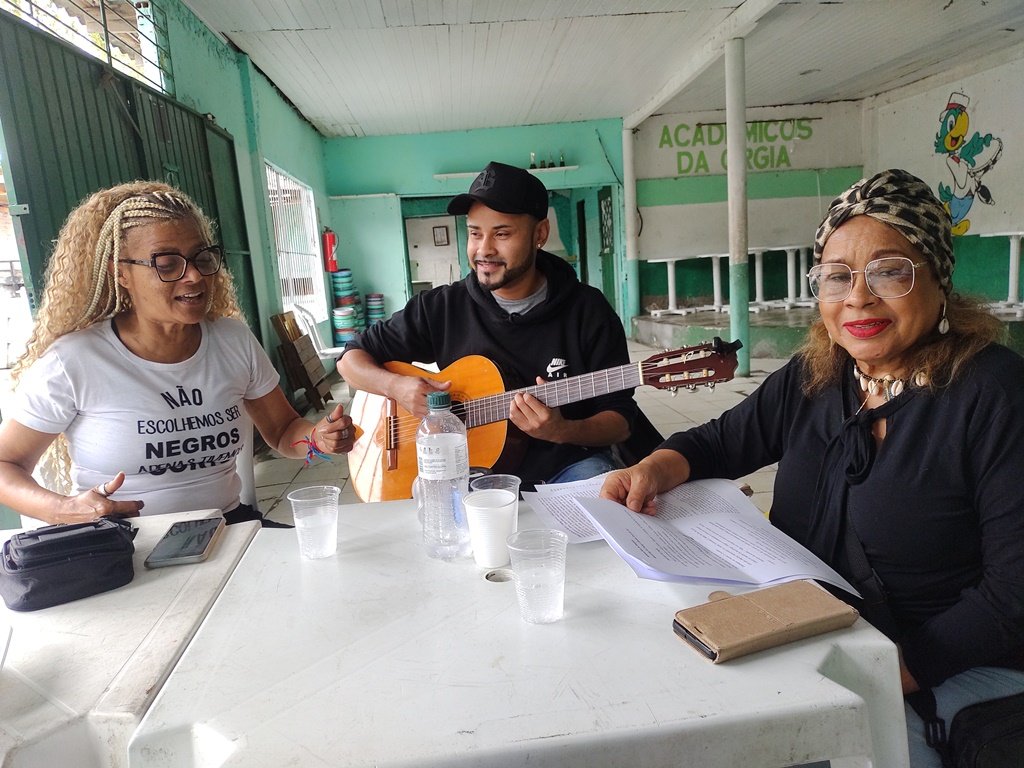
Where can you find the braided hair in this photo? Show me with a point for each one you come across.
(81, 286)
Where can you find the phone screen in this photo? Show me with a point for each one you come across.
(188, 541)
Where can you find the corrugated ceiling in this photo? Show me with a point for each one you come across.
(382, 67)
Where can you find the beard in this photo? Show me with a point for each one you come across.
(507, 276)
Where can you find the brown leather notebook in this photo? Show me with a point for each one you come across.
(729, 626)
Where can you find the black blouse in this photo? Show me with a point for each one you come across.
(938, 506)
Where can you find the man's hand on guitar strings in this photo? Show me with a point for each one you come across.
(411, 393)
(536, 419)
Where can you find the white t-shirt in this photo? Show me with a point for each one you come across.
(173, 428)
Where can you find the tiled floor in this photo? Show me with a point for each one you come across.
(275, 477)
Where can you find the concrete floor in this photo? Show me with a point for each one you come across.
(276, 477)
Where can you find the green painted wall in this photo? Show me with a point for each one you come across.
(405, 166)
(371, 242)
(982, 266)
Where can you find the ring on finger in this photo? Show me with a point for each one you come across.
(101, 489)
(329, 419)
(343, 434)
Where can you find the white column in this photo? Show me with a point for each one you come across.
(716, 282)
(804, 288)
(759, 277)
(671, 285)
(791, 276)
(1013, 296)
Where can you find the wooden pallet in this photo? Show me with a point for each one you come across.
(302, 365)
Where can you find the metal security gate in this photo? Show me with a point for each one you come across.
(72, 125)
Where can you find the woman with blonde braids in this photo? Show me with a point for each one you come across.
(139, 373)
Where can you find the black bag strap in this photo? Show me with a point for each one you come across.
(923, 702)
(875, 598)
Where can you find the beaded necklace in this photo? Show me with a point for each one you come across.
(888, 385)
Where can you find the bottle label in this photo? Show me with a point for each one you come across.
(445, 460)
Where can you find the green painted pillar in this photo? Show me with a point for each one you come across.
(630, 302)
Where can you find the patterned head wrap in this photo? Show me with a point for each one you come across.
(906, 204)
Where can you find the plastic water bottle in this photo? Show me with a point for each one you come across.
(442, 459)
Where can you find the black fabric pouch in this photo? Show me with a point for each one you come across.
(60, 563)
(989, 734)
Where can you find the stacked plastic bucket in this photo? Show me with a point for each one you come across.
(347, 318)
(374, 307)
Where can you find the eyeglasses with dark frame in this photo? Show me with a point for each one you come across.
(891, 277)
(171, 266)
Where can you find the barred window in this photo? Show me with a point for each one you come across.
(297, 239)
(130, 35)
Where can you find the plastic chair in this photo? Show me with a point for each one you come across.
(305, 319)
(244, 465)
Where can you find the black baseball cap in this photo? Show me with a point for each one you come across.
(504, 188)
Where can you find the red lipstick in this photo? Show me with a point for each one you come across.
(866, 328)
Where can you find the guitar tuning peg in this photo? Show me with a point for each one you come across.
(674, 391)
(711, 385)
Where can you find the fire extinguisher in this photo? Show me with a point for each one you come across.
(330, 246)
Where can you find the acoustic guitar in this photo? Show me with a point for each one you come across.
(382, 463)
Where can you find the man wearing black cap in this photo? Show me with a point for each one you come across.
(524, 309)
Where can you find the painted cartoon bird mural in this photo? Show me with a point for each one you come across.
(967, 159)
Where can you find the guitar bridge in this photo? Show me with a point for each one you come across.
(391, 434)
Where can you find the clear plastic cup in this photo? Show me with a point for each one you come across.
(538, 566)
(315, 510)
(492, 519)
(504, 482)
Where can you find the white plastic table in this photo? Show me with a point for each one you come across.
(1013, 302)
(382, 657)
(78, 677)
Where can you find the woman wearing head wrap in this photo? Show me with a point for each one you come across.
(898, 429)
(138, 369)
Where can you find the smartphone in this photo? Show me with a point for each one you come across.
(187, 541)
(695, 641)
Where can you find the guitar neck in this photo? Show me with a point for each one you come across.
(486, 410)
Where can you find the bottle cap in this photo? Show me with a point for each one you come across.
(439, 400)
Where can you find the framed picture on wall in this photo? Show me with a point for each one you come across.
(440, 236)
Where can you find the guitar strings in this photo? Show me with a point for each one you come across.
(494, 408)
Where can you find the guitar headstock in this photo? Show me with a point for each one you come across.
(708, 363)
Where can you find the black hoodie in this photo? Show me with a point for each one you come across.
(574, 331)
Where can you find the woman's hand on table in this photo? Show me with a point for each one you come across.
(96, 503)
